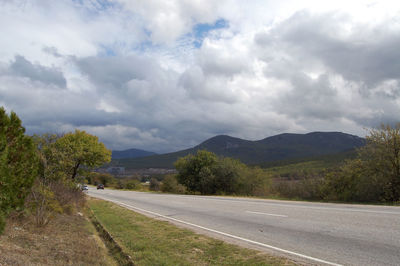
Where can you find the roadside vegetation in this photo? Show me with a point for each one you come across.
(153, 242)
(371, 175)
(40, 199)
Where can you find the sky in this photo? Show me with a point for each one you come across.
(166, 75)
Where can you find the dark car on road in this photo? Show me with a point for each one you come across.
(100, 186)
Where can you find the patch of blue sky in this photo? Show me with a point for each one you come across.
(107, 51)
(146, 46)
(201, 30)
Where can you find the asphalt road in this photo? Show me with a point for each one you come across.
(315, 233)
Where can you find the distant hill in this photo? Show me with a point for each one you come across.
(280, 147)
(131, 153)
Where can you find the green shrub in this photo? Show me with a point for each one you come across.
(133, 184)
(170, 184)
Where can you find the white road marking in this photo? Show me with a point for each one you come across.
(228, 235)
(269, 214)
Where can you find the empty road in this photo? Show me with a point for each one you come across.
(315, 233)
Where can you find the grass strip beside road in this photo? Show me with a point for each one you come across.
(153, 242)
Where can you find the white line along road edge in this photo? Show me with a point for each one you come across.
(228, 235)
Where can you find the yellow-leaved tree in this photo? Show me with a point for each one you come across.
(80, 150)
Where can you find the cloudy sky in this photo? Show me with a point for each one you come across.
(166, 75)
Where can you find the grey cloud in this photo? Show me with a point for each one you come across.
(362, 53)
(315, 99)
(51, 51)
(193, 80)
(216, 61)
(117, 71)
(211, 88)
(37, 104)
(312, 52)
(23, 68)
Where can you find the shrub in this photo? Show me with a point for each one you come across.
(170, 184)
(254, 182)
(154, 184)
(353, 182)
(132, 184)
(42, 203)
(68, 195)
(308, 188)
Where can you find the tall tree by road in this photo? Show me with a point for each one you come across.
(81, 150)
(18, 164)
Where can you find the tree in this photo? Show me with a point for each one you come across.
(381, 159)
(99, 178)
(228, 172)
(194, 170)
(374, 175)
(18, 164)
(49, 157)
(209, 174)
(81, 150)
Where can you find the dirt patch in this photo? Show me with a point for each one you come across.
(67, 240)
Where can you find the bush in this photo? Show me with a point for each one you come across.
(133, 184)
(254, 182)
(52, 197)
(42, 203)
(354, 183)
(308, 188)
(68, 195)
(154, 184)
(170, 184)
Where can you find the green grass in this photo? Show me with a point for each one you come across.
(152, 242)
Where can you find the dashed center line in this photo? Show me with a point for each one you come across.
(269, 214)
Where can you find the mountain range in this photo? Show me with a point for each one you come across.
(131, 153)
(280, 147)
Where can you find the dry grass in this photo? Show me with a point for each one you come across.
(67, 240)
